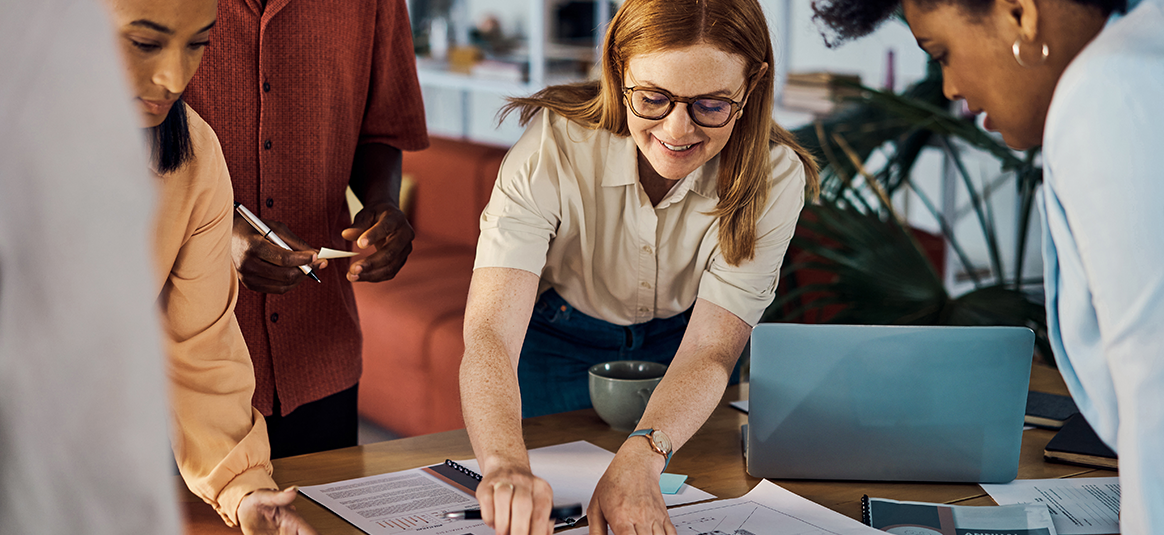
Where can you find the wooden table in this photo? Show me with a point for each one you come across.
(712, 459)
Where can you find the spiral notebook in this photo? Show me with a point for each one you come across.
(415, 500)
(896, 516)
(455, 474)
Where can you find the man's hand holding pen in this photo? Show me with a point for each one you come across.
(265, 267)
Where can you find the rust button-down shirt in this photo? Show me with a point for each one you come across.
(291, 90)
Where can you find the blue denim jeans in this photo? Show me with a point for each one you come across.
(562, 344)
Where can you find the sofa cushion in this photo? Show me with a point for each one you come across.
(413, 342)
(453, 182)
(413, 324)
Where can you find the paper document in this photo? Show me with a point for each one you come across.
(416, 500)
(1079, 506)
(400, 502)
(325, 253)
(768, 508)
(573, 471)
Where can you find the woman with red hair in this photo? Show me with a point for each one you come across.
(643, 216)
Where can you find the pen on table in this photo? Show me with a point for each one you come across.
(562, 513)
(270, 235)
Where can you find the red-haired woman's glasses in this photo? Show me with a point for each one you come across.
(706, 111)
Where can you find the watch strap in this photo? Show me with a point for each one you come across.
(648, 433)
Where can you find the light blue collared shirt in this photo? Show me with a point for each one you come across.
(1103, 220)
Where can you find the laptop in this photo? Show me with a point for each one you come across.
(887, 403)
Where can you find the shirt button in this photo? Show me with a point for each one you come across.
(645, 284)
(267, 144)
(266, 87)
(270, 203)
(275, 317)
(646, 248)
(644, 310)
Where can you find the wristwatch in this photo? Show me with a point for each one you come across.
(660, 442)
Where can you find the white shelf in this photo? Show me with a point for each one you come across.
(468, 103)
(463, 82)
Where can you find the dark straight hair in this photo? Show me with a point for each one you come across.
(170, 146)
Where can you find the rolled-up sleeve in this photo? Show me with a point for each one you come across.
(747, 289)
(522, 215)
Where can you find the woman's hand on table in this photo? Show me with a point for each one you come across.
(627, 498)
(269, 512)
(516, 502)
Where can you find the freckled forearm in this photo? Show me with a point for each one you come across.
(491, 403)
(698, 374)
(686, 397)
(497, 313)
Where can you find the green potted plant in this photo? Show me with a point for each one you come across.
(855, 259)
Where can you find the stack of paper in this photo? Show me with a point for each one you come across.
(416, 500)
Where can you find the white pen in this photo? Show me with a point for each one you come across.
(270, 235)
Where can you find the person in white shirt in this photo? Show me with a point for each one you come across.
(83, 418)
(642, 216)
(1089, 87)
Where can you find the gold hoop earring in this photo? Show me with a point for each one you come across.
(1018, 57)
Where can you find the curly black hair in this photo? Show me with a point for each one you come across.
(849, 19)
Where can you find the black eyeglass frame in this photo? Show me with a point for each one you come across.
(736, 105)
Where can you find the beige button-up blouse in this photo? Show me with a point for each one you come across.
(568, 206)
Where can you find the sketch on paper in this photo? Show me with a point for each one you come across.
(743, 518)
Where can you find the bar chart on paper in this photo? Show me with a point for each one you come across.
(411, 522)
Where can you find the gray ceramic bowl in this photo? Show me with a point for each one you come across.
(619, 390)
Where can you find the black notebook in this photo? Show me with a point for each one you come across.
(1077, 443)
(1049, 410)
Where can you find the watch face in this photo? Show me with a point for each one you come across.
(661, 441)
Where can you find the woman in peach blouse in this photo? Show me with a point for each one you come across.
(219, 440)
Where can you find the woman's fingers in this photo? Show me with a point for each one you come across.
(485, 499)
(516, 503)
(522, 510)
(502, 506)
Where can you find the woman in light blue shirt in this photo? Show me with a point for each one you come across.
(1089, 87)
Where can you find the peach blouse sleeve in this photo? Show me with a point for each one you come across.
(219, 440)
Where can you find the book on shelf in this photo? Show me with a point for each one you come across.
(506, 71)
(818, 92)
(1077, 443)
(1049, 411)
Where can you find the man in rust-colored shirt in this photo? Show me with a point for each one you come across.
(309, 97)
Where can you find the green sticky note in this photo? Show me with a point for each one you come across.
(671, 483)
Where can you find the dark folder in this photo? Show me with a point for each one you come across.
(1078, 444)
(1048, 410)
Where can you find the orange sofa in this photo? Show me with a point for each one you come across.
(412, 324)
